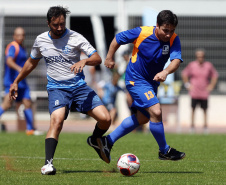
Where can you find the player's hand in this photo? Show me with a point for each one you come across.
(161, 76)
(13, 91)
(109, 63)
(78, 67)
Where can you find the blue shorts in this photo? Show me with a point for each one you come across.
(23, 93)
(81, 99)
(144, 95)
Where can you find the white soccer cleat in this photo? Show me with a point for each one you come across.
(38, 133)
(48, 169)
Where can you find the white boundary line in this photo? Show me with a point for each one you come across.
(83, 159)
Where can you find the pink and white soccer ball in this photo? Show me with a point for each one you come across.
(128, 164)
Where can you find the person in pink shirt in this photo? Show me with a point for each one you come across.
(200, 78)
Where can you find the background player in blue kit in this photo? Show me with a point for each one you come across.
(15, 57)
(153, 46)
(61, 49)
(108, 93)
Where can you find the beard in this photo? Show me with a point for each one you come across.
(58, 33)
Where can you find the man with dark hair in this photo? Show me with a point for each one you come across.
(56, 11)
(153, 46)
(61, 49)
(167, 17)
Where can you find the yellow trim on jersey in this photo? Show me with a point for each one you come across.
(146, 31)
(172, 39)
(17, 48)
(132, 83)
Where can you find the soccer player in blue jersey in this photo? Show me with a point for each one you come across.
(15, 57)
(61, 49)
(153, 46)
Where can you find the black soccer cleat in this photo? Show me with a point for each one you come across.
(172, 154)
(102, 147)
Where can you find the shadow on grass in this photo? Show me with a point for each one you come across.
(116, 171)
(170, 172)
(88, 171)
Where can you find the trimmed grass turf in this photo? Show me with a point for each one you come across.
(21, 158)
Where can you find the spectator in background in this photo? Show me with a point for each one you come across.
(108, 93)
(200, 78)
(121, 67)
(15, 57)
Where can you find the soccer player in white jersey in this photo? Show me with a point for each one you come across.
(61, 48)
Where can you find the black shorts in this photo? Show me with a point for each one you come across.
(203, 103)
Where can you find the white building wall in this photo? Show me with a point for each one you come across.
(216, 111)
(110, 7)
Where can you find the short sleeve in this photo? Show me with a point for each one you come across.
(128, 36)
(187, 70)
(85, 46)
(11, 52)
(175, 50)
(35, 50)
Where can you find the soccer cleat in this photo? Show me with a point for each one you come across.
(30, 132)
(34, 132)
(171, 154)
(38, 133)
(48, 169)
(102, 147)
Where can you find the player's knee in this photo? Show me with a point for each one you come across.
(105, 120)
(28, 105)
(57, 123)
(157, 113)
(6, 105)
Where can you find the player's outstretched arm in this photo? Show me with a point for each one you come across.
(109, 61)
(29, 65)
(172, 67)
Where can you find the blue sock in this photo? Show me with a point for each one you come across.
(157, 131)
(29, 119)
(127, 125)
(1, 111)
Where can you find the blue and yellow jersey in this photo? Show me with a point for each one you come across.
(19, 55)
(149, 53)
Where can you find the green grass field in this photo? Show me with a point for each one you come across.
(21, 158)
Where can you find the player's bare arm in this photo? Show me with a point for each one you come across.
(12, 64)
(212, 84)
(91, 61)
(161, 76)
(185, 79)
(29, 65)
(109, 61)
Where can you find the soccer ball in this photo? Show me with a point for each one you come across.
(128, 164)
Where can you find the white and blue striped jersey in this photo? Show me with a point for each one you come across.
(60, 54)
